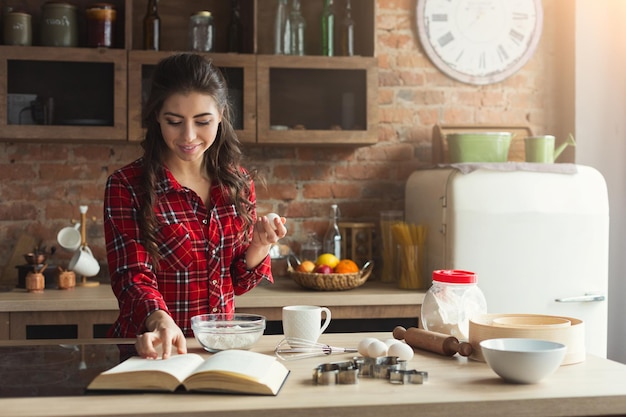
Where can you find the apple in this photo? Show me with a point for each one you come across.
(323, 269)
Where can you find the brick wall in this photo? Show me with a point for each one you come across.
(43, 184)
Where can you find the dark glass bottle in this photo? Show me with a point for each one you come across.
(235, 42)
(152, 27)
(328, 28)
(347, 32)
(332, 238)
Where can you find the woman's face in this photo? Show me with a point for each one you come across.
(189, 125)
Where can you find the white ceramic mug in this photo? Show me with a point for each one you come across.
(303, 322)
(69, 237)
(83, 263)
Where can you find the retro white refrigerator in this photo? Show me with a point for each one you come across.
(537, 240)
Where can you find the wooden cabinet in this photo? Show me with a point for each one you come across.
(96, 94)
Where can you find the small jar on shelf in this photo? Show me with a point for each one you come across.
(101, 25)
(201, 32)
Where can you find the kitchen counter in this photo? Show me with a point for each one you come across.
(456, 386)
(85, 307)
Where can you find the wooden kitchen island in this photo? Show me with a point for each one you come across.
(455, 386)
(85, 308)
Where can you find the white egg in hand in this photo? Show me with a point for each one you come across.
(363, 345)
(377, 349)
(403, 351)
(272, 216)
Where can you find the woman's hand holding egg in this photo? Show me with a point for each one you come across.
(271, 217)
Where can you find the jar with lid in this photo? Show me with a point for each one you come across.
(100, 25)
(17, 28)
(452, 300)
(201, 32)
(59, 24)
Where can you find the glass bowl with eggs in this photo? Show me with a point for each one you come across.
(217, 332)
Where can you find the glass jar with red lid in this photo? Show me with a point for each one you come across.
(451, 301)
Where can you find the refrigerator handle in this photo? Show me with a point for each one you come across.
(588, 297)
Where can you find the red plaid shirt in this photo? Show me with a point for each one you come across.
(203, 253)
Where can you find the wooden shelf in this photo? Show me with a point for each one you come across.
(98, 92)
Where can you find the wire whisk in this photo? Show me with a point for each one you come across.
(292, 348)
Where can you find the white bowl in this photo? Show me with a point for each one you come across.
(523, 361)
(217, 332)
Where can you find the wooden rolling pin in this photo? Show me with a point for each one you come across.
(440, 343)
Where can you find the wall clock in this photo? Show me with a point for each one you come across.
(479, 41)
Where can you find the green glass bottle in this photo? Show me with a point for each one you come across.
(328, 28)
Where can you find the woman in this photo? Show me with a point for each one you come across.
(180, 222)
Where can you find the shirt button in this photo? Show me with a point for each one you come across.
(214, 282)
(215, 309)
(205, 221)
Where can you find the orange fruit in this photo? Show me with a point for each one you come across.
(327, 259)
(346, 266)
(305, 266)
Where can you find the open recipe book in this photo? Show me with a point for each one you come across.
(234, 371)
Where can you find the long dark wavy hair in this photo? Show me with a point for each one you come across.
(185, 73)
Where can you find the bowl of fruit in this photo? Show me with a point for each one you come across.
(329, 273)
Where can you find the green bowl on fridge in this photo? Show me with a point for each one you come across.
(478, 147)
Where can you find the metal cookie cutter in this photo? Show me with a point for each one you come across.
(408, 376)
(384, 365)
(336, 373)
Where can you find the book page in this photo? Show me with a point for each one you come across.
(179, 366)
(245, 364)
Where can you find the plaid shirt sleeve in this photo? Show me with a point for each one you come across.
(202, 264)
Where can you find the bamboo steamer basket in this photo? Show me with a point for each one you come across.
(566, 330)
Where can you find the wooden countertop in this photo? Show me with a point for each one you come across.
(456, 386)
(283, 292)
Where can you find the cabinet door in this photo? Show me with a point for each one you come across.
(317, 100)
(62, 93)
(238, 69)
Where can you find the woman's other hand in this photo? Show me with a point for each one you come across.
(264, 235)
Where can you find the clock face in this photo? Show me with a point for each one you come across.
(479, 41)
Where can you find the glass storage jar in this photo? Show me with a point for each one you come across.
(201, 32)
(100, 25)
(451, 301)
